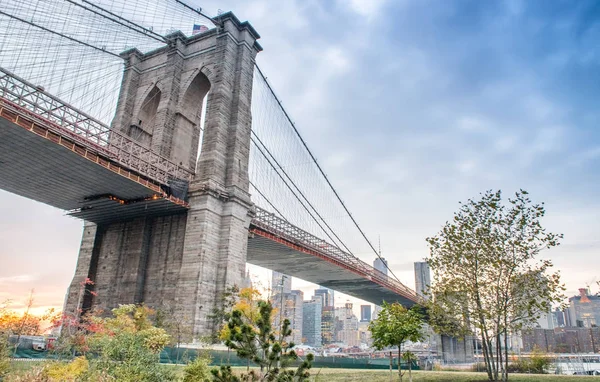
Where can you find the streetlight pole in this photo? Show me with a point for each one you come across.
(283, 277)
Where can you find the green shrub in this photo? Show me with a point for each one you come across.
(197, 371)
(66, 371)
(537, 363)
(4, 355)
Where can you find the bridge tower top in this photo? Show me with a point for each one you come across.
(162, 95)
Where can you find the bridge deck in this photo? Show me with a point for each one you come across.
(41, 164)
(288, 258)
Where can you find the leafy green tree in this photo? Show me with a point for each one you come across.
(487, 278)
(218, 316)
(250, 334)
(394, 326)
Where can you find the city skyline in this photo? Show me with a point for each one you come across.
(439, 131)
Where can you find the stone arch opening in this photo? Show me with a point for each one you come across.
(142, 127)
(187, 132)
(148, 109)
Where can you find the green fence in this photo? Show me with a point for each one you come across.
(220, 357)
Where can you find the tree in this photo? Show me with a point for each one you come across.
(26, 323)
(394, 326)
(218, 316)
(250, 334)
(4, 355)
(486, 275)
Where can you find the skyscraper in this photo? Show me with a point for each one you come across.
(365, 313)
(560, 317)
(584, 310)
(296, 306)
(327, 325)
(422, 278)
(347, 326)
(247, 281)
(289, 306)
(281, 283)
(311, 322)
(381, 265)
(326, 296)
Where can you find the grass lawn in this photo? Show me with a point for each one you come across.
(335, 375)
(358, 375)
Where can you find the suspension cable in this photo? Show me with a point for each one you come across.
(59, 34)
(322, 172)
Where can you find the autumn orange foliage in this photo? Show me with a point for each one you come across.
(24, 324)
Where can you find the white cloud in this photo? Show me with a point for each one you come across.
(17, 279)
(367, 8)
(472, 124)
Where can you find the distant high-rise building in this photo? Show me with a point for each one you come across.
(365, 313)
(546, 320)
(311, 322)
(290, 306)
(281, 283)
(364, 334)
(327, 325)
(584, 310)
(422, 278)
(347, 326)
(381, 265)
(560, 317)
(297, 302)
(326, 295)
(247, 281)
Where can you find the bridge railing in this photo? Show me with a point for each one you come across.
(282, 228)
(34, 102)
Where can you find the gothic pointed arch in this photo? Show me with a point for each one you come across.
(148, 109)
(191, 102)
(142, 126)
(189, 115)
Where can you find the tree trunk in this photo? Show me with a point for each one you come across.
(485, 347)
(399, 365)
(391, 366)
(505, 355)
(499, 358)
(410, 370)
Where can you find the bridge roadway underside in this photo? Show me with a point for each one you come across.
(34, 166)
(282, 257)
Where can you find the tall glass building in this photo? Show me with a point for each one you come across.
(311, 322)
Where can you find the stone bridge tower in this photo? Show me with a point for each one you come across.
(181, 262)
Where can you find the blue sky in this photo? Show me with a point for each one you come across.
(410, 106)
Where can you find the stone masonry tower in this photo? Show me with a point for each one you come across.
(181, 262)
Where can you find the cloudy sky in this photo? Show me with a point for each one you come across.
(410, 106)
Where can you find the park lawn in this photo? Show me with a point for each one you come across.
(368, 375)
(359, 375)
(354, 375)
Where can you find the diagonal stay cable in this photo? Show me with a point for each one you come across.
(269, 202)
(301, 193)
(293, 193)
(59, 34)
(323, 173)
(123, 22)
